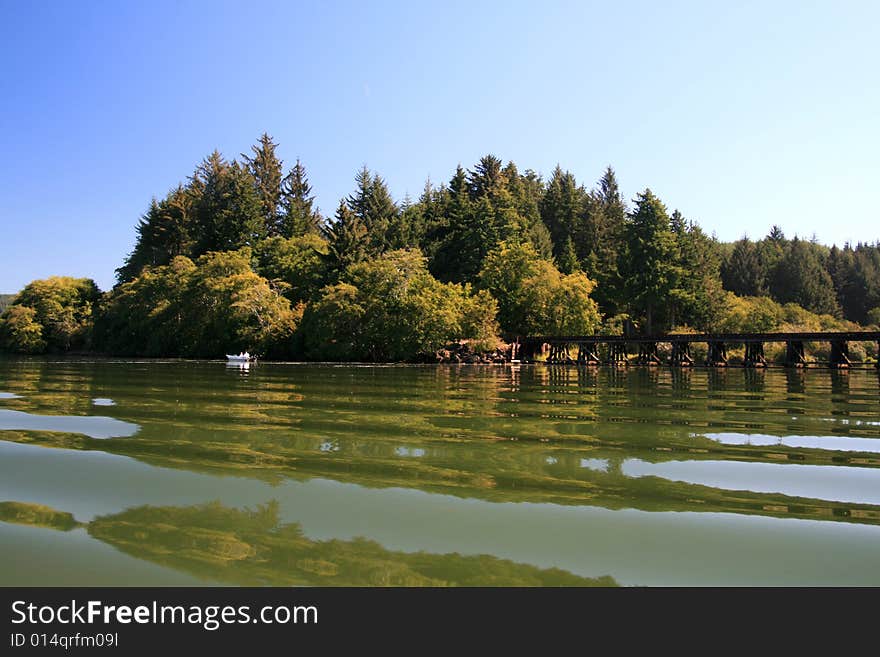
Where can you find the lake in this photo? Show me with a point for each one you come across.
(198, 473)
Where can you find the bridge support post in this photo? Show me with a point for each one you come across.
(681, 354)
(755, 355)
(840, 353)
(717, 356)
(648, 354)
(587, 354)
(617, 353)
(794, 353)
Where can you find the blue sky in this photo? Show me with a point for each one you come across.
(741, 115)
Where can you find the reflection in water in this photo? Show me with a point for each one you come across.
(708, 441)
(94, 427)
(36, 515)
(860, 485)
(836, 443)
(252, 548)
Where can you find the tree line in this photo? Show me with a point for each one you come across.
(239, 257)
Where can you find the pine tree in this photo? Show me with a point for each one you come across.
(266, 170)
(799, 277)
(561, 209)
(697, 293)
(348, 241)
(162, 233)
(373, 205)
(567, 261)
(457, 256)
(604, 218)
(745, 272)
(487, 178)
(649, 261)
(298, 214)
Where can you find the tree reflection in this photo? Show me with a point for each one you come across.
(253, 548)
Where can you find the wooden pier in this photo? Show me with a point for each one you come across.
(616, 349)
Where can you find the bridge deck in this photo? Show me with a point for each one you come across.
(816, 336)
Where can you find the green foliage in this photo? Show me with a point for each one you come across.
(20, 332)
(521, 241)
(298, 214)
(53, 314)
(560, 304)
(535, 297)
(801, 278)
(391, 308)
(561, 211)
(148, 315)
(296, 266)
(373, 206)
(505, 274)
(764, 315)
(266, 172)
(348, 241)
(749, 315)
(201, 309)
(650, 261)
(745, 272)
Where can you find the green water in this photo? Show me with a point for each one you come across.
(155, 473)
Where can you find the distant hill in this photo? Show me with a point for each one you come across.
(5, 300)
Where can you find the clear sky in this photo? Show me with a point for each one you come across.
(740, 114)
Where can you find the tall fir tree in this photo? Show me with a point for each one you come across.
(298, 216)
(745, 272)
(348, 240)
(604, 222)
(373, 205)
(266, 170)
(561, 208)
(801, 278)
(648, 263)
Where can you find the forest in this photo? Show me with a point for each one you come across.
(239, 257)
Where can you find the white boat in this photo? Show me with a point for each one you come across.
(243, 357)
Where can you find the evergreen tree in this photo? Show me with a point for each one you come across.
(567, 261)
(458, 256)
(487, 178)
(433, 204)
(800, 278)
(604, 220)
(539, 237)
(695, 300)
(348, 240)
(745, 272)
(266, 170)
(162, 233)
(298, 214)
(561, 209)
(227, 207)
(373, 205)
(407, 228)
(649, 260)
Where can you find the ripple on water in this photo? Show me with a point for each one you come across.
(835, 483)
(103, 401)
(9, 395)
(92, 426)
(835, 443)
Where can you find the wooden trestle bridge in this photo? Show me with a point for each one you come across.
(644, 348)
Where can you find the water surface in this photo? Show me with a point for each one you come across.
(165, 472)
